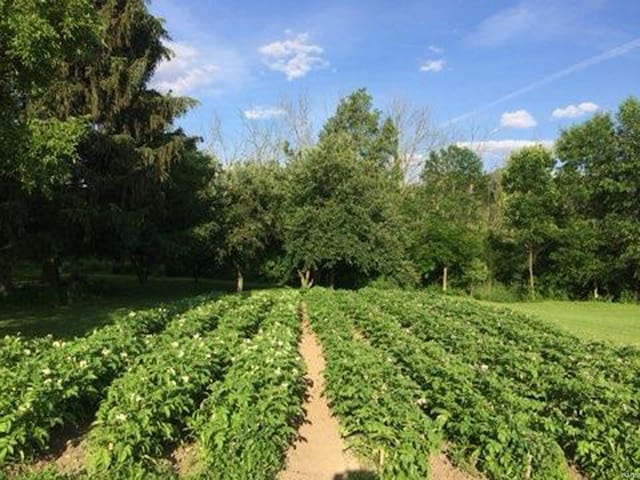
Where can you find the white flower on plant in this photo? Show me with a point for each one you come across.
(132, 314)
(136, 398)
(27, 351)
(421, 401)
(175, 344)
(106, 352)
(47, 381)
(124, 354)
(57, 344)
(180, 354)
(186, 378)
(46, 371)
(121, 417)
(82, 364)
(196, 336)
(484, 367)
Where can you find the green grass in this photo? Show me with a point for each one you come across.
(613, 322)
(33, 312)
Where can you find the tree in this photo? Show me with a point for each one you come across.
(252, 224)
(132, 144)
(417, 136)
(446, 212)
(627, 178)
(192, 223)
(38, 149)
(598, 183)
(341, 200)
(531, 200)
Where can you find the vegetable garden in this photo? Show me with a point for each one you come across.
(407, 374)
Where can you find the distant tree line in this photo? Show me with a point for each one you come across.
(93, 166)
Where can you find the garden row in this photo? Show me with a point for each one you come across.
(516, 397)
(583, 396)
(52, 383)
(226, 375)
(379, 407)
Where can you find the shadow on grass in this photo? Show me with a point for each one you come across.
(32, 313)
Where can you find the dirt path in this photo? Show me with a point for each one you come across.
(320, 453)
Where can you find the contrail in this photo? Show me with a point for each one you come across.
(614, 52)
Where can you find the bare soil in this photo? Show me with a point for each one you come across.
(67, 452)
(443, 469)
(184, 459)
(320, 453)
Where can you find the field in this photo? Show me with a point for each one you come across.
(615, 322)
(214, 387)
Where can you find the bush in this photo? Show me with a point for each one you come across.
(498, 292)
(627, 296)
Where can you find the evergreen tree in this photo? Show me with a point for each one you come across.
(132, 144)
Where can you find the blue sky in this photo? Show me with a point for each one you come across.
(514, 71)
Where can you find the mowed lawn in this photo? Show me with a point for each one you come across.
(614, 322)
(32, 317)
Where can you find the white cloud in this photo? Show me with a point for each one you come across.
(502, 26)
(185, 72)
(517, 119)
(432, 66)
(295, 56)
(261, 113)
(435, 49)
(494, 151)
(575, 111)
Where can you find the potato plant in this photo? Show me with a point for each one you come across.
(378, 406)
(246, 423)
(14, 349)
(65, 382)
(489, 425)
(587, 396)
(147, 407)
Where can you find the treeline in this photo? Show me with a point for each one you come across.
(93, 167)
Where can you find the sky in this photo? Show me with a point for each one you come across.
(501, 74)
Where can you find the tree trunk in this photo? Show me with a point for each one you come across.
(51, 276)
(6, 282)
(445, 279)
(595, 291)
(305, 278)
(140, 264)
(239, 281)
(532, 288)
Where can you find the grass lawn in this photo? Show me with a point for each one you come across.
(617, 323)
(33, 316)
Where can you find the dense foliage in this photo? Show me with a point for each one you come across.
(94, 166)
